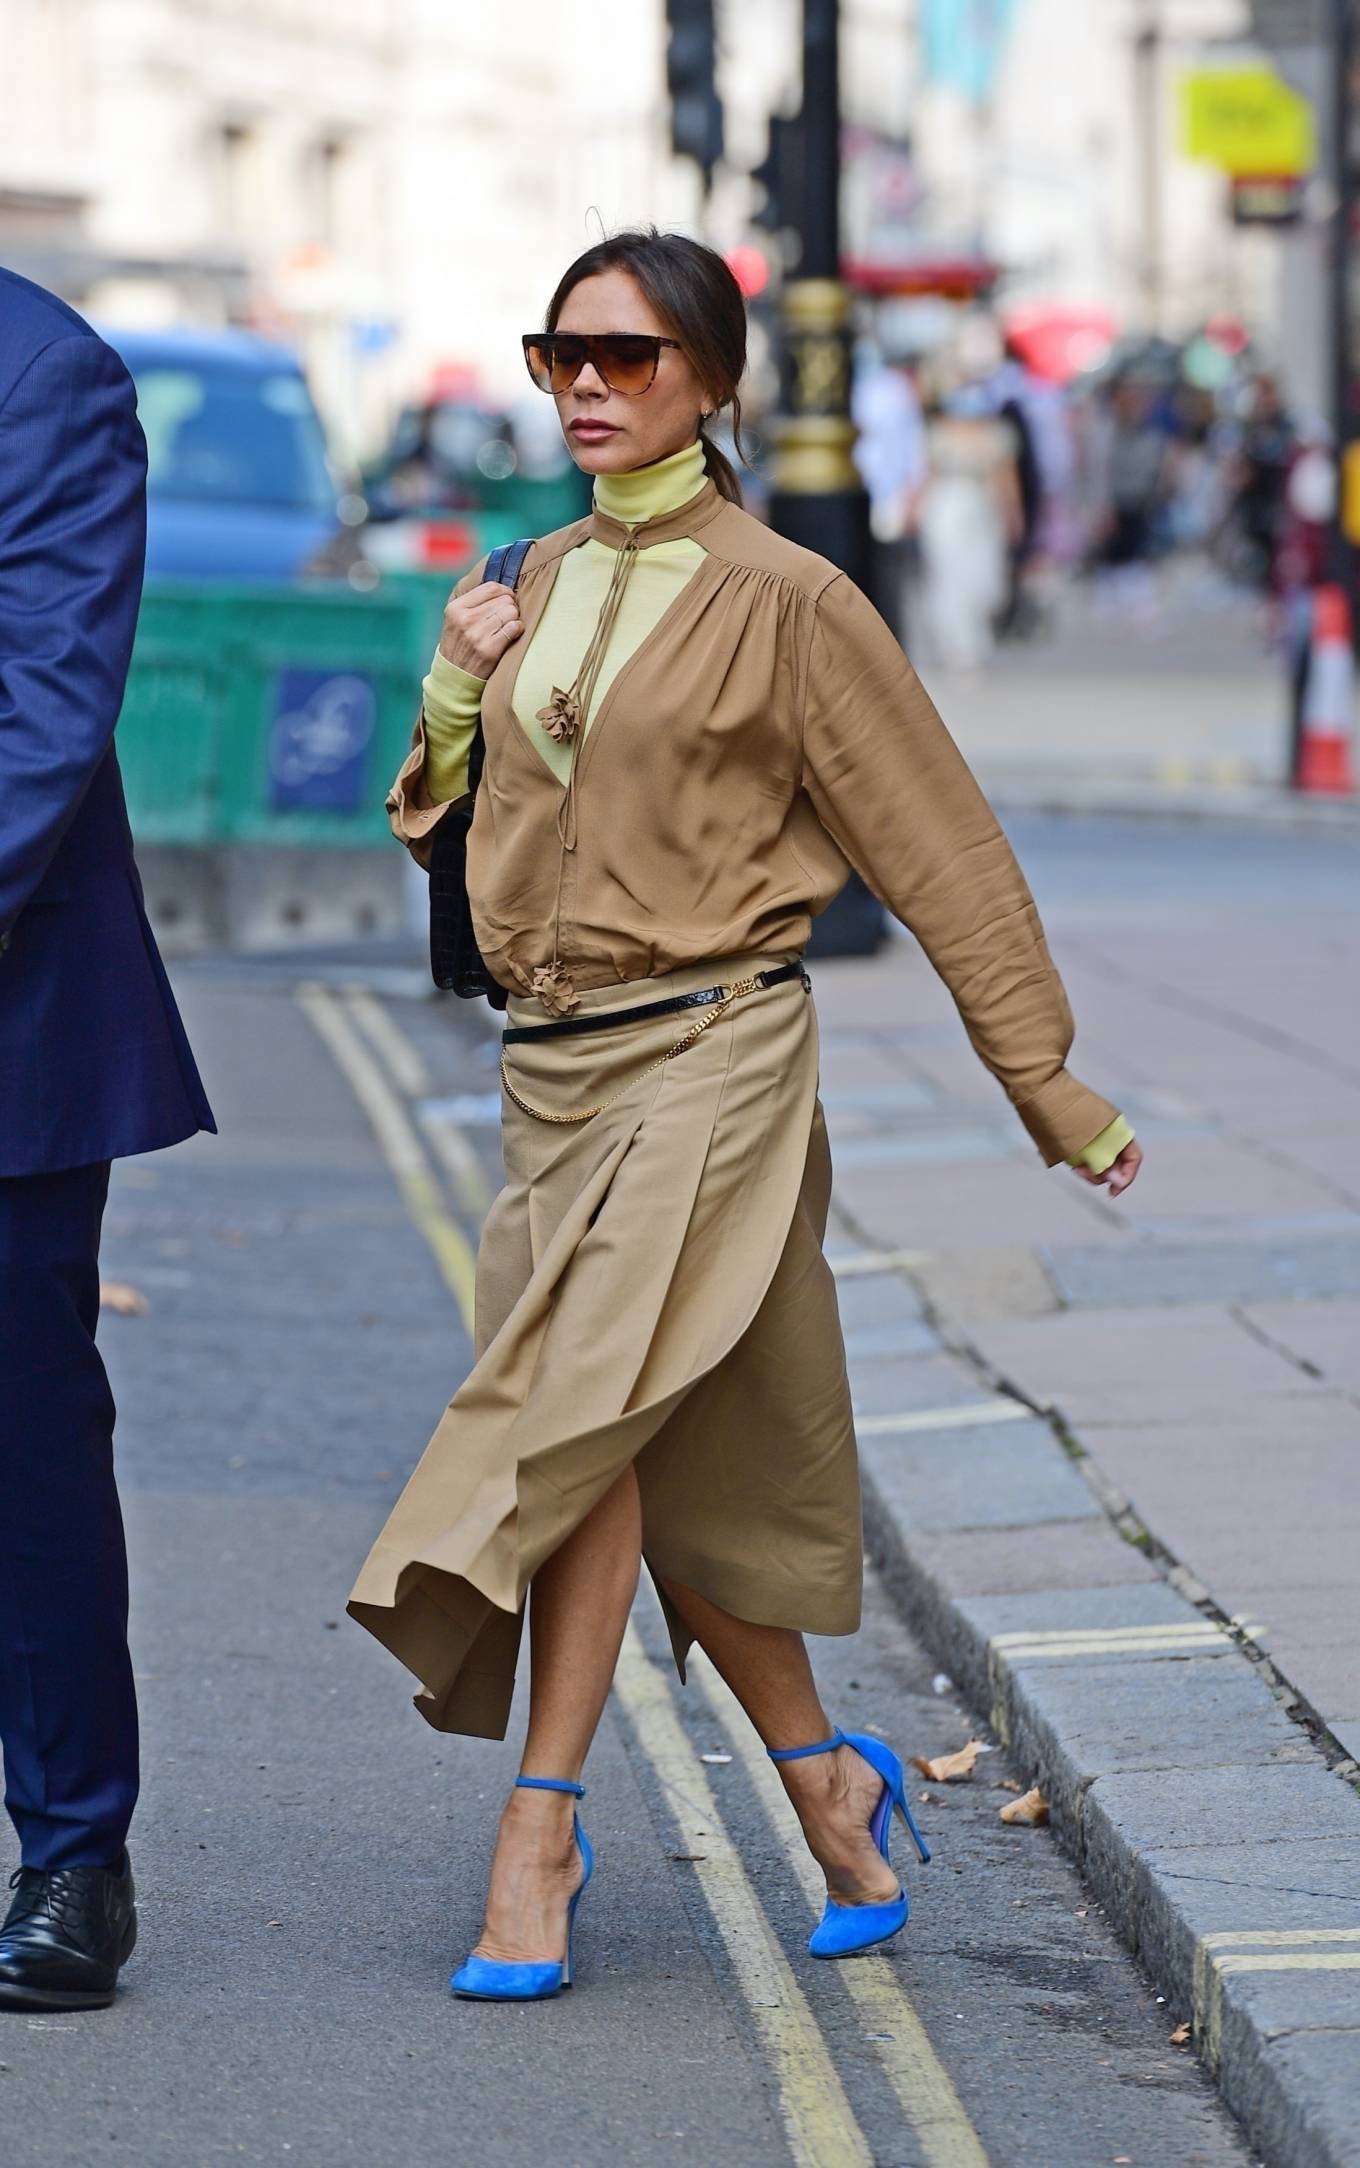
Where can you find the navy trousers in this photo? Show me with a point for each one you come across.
(68, 1711)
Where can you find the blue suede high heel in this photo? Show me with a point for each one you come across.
(845, 1930)
(493, 1979)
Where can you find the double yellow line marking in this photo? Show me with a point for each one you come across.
(818, 2118)
(340, 1021)
(924, 2090)
(1194, 1636)
(380, 1065)
(1261, 1949)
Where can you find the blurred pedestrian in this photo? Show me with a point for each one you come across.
(93, 1064)
(1196, 501)
(1134, 484)
(1265, 456)
(1302, 559)
(1018, 400)
(890, 452)
(692, 728)
(970, 524)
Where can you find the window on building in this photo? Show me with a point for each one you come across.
(324, 179)
(235, 158)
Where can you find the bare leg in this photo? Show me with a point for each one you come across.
(833, 1795)
(578, 1608)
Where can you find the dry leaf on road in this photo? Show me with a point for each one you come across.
(1180, 2036)
(1010, 1784)
(122, 1299)
(949, 1768)
(1032, 1809)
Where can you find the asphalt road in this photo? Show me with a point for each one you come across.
(311, 1857)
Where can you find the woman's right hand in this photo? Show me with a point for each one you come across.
(478, 628)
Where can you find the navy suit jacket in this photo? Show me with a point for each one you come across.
(93, 1058)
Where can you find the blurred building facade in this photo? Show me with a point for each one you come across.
(394, 185)
(390, 184)
(1035, 135)
(1061, 150)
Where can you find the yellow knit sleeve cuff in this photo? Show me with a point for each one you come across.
(452, 704)
(1102, 1151)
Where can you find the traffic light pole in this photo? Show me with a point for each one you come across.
(818, 498)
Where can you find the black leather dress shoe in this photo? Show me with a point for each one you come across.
(68, 1931)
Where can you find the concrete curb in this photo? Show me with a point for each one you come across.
(1218, 1837)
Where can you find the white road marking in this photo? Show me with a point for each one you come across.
(861, 1263)
(967, 1417)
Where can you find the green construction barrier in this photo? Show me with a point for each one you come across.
(268, 714)
(425, 594)
(281, 714)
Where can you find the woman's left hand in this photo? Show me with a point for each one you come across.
(1119, 1173)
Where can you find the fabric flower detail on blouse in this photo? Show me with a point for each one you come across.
(551, 984)
(562, 716)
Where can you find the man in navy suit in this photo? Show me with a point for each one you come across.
(93, 1064)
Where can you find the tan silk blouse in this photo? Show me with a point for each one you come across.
(766, 736)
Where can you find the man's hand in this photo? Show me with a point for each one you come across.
(478, 628)
(1119, 1173)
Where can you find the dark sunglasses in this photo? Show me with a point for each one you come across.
(627, 361)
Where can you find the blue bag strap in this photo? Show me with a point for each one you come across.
(505, 564)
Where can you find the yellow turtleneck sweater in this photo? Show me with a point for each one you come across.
(453, 697)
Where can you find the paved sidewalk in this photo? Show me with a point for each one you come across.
(1112, 1447)
(1184, 712)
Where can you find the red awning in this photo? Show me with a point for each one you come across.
(953, 278)
(1059, 342)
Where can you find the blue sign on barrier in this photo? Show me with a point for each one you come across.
(318, 747)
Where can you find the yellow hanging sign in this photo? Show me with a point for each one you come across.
(1248, 121)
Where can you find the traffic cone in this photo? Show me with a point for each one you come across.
(1324, 763)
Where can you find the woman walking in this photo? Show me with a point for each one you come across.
(693, 728)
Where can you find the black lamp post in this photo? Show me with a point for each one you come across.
(818, 498)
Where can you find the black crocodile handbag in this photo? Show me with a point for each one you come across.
(455, 960)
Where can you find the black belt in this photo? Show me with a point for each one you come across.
(607, 1020)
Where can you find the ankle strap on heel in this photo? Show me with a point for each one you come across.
(549, 1784)
(801, 1753)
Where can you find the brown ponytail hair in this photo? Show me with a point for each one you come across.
(700, 303)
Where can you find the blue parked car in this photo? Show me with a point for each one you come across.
(239, 484)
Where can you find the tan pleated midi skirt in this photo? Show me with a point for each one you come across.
(651, 1289)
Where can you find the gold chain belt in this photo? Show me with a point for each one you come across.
(731, 993)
